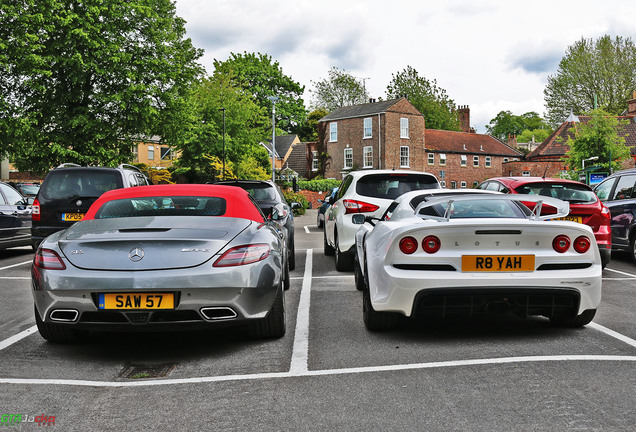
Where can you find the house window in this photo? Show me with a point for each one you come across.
(404, 127)
(404, 156)
(135, 152)
(488, 161)
(431, 158)
(314, 161)
(453, 185)
(348, 158)
(475, 160)
(367, 131)
(442, 159)
(506, 159)
(367, 157)
(462, 185)
(333, 132)
(525, 173)
(464, 160)
(166, 153)
(475, 183)
(151, 152)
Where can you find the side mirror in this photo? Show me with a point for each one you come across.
(274, 215)
(358, 219)
(296, 205)
(327, 200)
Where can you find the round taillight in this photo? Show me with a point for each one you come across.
(582, 244)
(561, 243)
(408, 245)
(431, 244)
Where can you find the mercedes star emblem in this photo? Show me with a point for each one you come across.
(136, 254)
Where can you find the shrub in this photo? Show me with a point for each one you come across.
(290, 197)
(323, 185)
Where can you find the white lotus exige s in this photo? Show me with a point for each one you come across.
(471, 254)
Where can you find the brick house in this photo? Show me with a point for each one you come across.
(375, 135)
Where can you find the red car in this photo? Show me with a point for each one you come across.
(585, 207)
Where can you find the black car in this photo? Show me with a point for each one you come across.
(271, 201)
(15, 218)
(68, 191)
(618, 193)
(320, 218)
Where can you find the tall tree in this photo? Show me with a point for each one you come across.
(432, 101)
(601, 70)
(339, 89)
(81, 80)
(506, 124)
(309, 130)
(261, 76)
(599, 137)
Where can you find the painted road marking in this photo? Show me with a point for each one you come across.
(17, 265)
(307, 229)
(621, 272)
(300, 353)
(16, 338)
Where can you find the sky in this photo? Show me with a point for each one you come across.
(492, 55)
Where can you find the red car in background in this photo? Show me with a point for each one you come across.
(585, 207)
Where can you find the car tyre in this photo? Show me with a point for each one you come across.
(344, 260)
(273, 326)
(319, 222)
(328, 250)
(286, 282)
(56, 333)
(374, 320)
(632, 247)
(357, 274)
(578, 321)
(292, 254)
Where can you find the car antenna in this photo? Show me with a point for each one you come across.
(544, 171)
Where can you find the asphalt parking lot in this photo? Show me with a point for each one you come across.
(328, 372)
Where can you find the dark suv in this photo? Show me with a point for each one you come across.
(269, 197)
(69, 190)
(618, 193)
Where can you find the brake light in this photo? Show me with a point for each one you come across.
(582, 244)
(48, 259)
(561, 243)
(355, 206)
(605, 213)
(241, 255)
(408, 245)
(35, 210)
(431, 244)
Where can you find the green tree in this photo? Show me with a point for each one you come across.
(506, 123)
(246, 125)
(309, 129)
(432, 101)
(599, 137)
(536, 135)
(339, 89)
(82, 80)
(261, 76)
(593, 73)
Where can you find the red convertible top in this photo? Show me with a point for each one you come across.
(238, 203)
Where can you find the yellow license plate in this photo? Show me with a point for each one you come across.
(72, 217)
(497, 263)
(136, 301)
(578, 219)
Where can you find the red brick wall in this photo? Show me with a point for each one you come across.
(469, 173)
(313, 197)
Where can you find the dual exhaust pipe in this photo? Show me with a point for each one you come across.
(209, 313)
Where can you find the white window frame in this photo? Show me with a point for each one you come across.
(431, 158)
(367, 157)
(151, 152)
(135, 152)
(314, 161)
(453, 185)
(367, 128)
(405, 160)
(488, 162)
(506, 159)
(475, 161)
(404, 128)
(525, 173)
(462, 185)
(442, 159)
(333, 131)
(348, 158)
(463, 160)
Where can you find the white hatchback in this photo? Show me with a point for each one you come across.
(368, 192)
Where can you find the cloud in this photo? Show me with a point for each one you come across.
(536, 59)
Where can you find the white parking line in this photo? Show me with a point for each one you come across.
(300, 352)
(307, 229)
(16, 265)
(613, 334)
(340, 277)
(15, 278)
(621, 272)
(16, 338)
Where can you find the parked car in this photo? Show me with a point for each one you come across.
(68, 191)
(585, 206)
(368, 192)
(329, 198)
(15, 218)
(272, 202)
(466, 255)
(618, 193)
(27, 190)
(164, 257)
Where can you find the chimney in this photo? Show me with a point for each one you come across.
(463, 115)
(631, 105)
(512, 141)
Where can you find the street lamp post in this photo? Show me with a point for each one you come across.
(223, 173)
(583, 166)
(273, 99)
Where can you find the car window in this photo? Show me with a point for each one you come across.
(493, 186)
(344, 186)
(570, 192)
(88, 183)
(12, 196)
(487, 209)
(390, 186)
(624, 188)
(389, 211)
(162, 206)
(603, 190)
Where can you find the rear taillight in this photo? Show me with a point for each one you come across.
(242, 255)
(355, 206)
(48, 259)
(561, 243)
(431, 244)
(582, 244)
(605, 213)
(408, 245)
(35, 211)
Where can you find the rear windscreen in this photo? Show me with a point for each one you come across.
(260, 192)
(80, 184)
(390, 186)
(570, 192)
(162, 206)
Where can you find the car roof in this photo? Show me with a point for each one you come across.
(362, 173)
(517, 181)
(238, 203)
